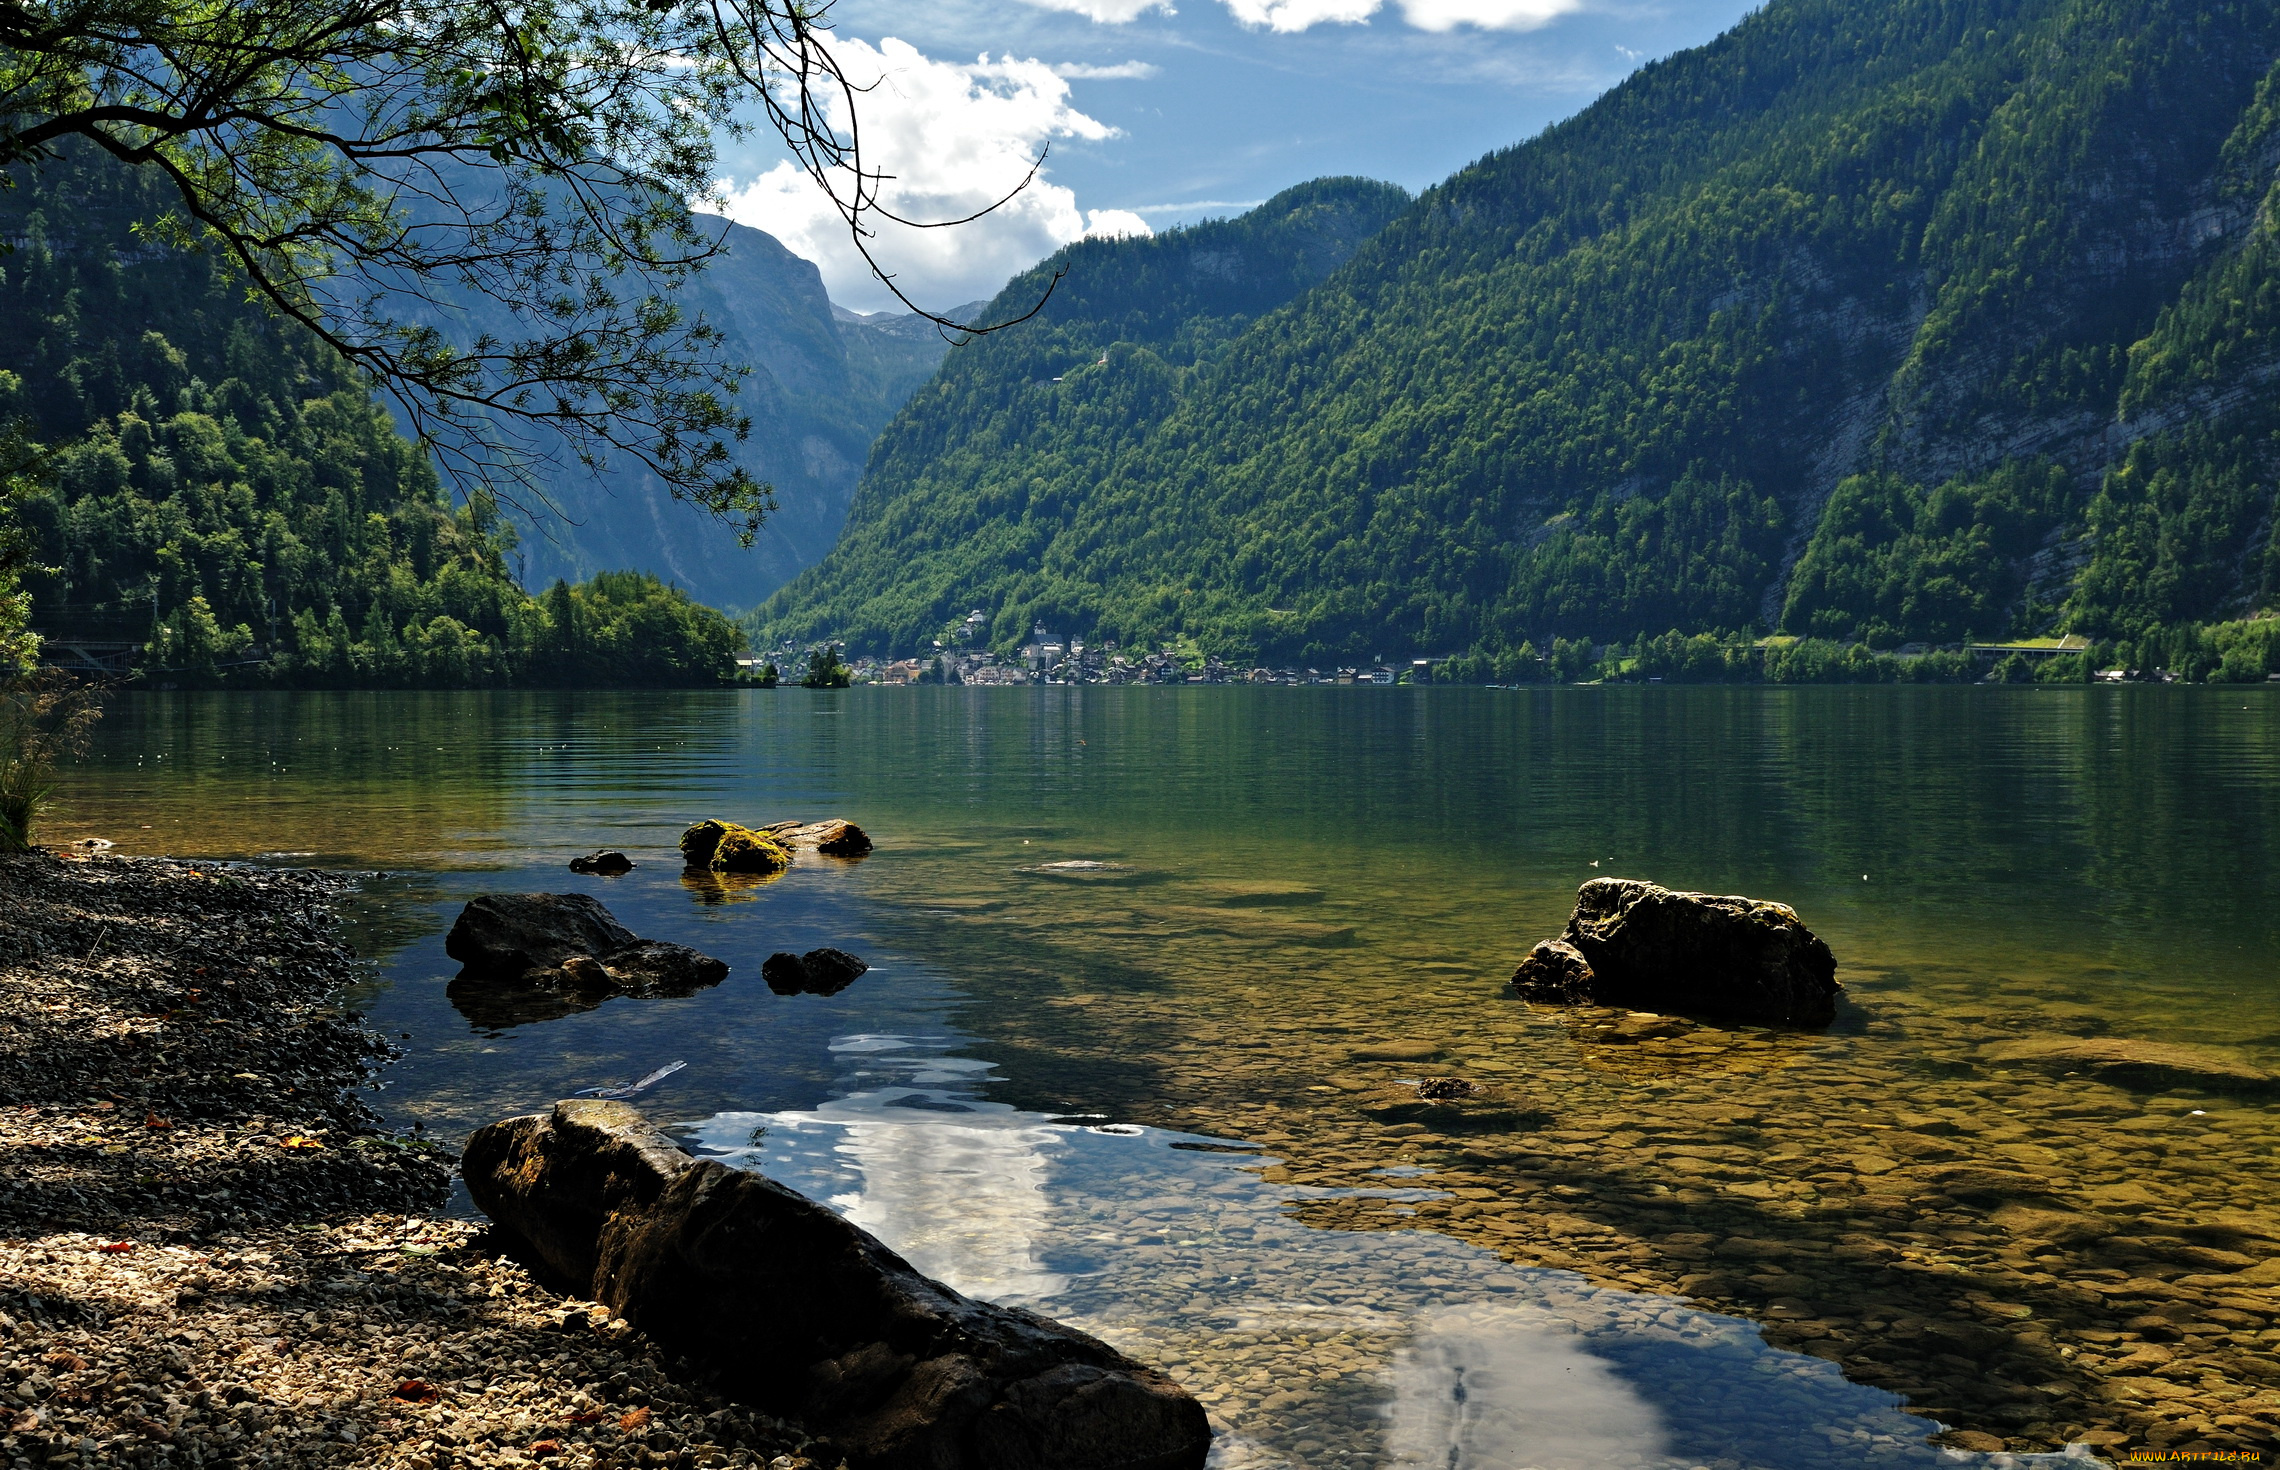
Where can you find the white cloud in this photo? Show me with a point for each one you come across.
(1107, 12)
(1426, 15)
(953, 138)
(1114, 224)
(1298, 15)
(1488, 15)
(1123, 71)
(1195, 205)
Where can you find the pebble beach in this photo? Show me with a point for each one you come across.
(212, 1254)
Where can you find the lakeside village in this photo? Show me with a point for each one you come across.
(1050, 658)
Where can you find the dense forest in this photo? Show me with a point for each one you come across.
(220, 484)
(1865, 328)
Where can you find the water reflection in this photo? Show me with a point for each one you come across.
(1478, 1383)
(1311, 1348)
(713, 889)
(492, 1005)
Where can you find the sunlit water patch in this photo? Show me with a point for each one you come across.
(1312, 1348)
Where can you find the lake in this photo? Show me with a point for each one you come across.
(1171, 1098)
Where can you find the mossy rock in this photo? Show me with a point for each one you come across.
(742, 850)
(725, 847)
(698, 842)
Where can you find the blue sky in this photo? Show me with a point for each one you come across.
(1158, 116)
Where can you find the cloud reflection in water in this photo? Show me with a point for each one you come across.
(1313, 1348)
(1478, 1380)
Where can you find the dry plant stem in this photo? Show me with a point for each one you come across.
(44, 717)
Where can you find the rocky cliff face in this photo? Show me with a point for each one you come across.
(823, 383)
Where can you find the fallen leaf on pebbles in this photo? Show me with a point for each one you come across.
(415, 1391)
(634, 1419)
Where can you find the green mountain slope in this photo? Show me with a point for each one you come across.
(983, 481)
(1890, 321)
(218, 484)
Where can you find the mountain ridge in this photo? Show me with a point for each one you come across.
(1612, 380)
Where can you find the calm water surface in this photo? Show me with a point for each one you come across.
(1169, 1099)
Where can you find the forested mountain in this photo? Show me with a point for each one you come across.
(823, 382)
(1877, 320)
(984, 488)
(220, 484)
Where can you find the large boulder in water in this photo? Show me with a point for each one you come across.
(538, 956)
(1636, 944)
(507, 934)
(813, 1318)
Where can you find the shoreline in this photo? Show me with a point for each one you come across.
(210, 1251)
(172, 1043)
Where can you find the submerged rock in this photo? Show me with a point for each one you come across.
(1454, 1106)
(1636, 944)
(654, 967)
(1259, 893)
(2136, 1064)
(818, 972)
(836, 838)
(608, 863)
(810, 1316)
(1555, 972)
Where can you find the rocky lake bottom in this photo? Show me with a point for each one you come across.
(2029, 1254)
